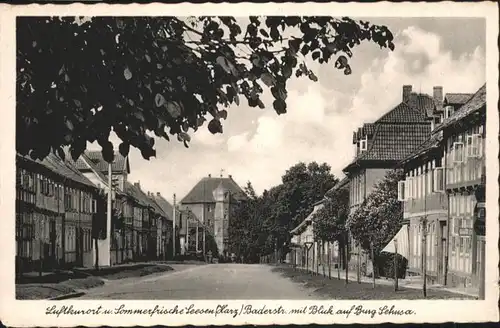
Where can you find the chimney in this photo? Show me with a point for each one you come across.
(158, 194)
(406, 93)
(230, 176)
(438, 96)
(137, 184)
(209, 175)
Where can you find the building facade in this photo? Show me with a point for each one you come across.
(209, 205)
(464, 133)
(54, 209)
(380, 146)
(426, 209)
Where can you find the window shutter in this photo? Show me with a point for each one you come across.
(477, 142)
(410, 188)
(438, 180)
(19, 178)
(469, 146)
(401, 191)
(406, 189)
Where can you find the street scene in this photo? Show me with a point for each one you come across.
(259, 157)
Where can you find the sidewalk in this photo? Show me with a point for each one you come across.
(72, 283)
(415, 282)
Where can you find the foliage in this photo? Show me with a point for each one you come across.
(329, 221)
(385, 264)
(263, 222)
(379, 218)
(139, 75)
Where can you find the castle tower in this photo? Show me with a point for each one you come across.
(221, 217)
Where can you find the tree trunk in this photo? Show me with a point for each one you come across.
(96, 243)
(329, 255)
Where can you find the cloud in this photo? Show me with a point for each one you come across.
(205, 137)
(258, 145)
(319, 123)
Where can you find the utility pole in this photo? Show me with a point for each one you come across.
(204, 232)
(108, 219)
(359, 263)
(424, 239)
(396, 283)
(373, 264)
(424, 255)
(174, 214)
(187, 229)
(197, 236)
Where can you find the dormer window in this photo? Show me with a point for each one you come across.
(448, 111)
(363, 144)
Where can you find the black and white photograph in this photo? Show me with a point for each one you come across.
(253, 157)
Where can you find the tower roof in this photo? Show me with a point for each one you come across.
(202, 192)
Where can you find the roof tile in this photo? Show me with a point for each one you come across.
(475, 103)
(433, 142)
(119, 164)
(457, 98)
(202, 192)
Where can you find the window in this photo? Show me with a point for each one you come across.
(429, 181)
(458, 155)
(417, 184)
(409, 182)
(448, 111)
(363, 144)
(474, 145)
(438, 180)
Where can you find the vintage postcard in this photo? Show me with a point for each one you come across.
(249, 164)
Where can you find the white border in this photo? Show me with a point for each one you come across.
(32, 313)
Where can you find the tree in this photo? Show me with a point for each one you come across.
(137, 76)
(329, 221)
(380, 217)
(262, 224)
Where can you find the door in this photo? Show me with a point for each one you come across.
(79, 246)
(442, 252)
(53, 242)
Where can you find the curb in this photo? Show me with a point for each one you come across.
(409, 286)
(67, 296)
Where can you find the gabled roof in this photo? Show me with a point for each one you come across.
(66, 169)
(342, 183)
(422, 103)
(143, 199)
(474, 104)
(402, 113)
(136, 193)
(165, 205)
(393, 142)
(417, 110)
(431, 143)
(119, 165)
(457, 98)
(157, 207)
(309, 218)
(202, 192)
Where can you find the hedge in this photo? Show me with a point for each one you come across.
(385, 265)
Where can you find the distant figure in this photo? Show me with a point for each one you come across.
(209, 255)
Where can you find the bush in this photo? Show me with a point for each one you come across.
(385, 265)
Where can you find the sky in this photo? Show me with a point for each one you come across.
(259, 146)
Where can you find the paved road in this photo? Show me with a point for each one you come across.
(214, 281)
